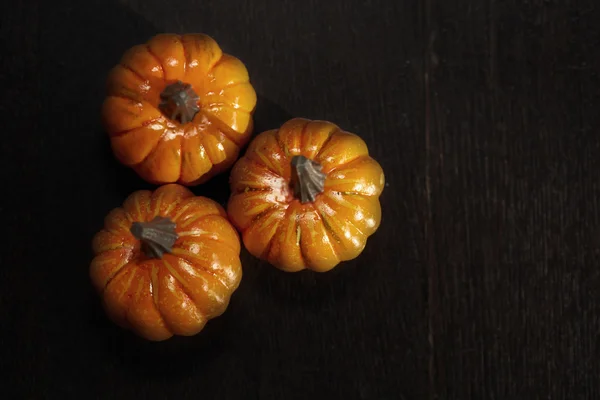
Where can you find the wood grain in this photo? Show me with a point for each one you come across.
(482, 282)
(514, 96)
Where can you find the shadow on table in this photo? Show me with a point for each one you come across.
(159, 360)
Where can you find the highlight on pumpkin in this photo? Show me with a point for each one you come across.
(166, 262)
(178, 109)
(306, 196)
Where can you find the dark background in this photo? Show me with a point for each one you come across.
(482, 282)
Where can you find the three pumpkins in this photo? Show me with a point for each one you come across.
(304, 196)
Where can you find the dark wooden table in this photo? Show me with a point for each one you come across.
(482, 282)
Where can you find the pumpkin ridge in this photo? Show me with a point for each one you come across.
(207, 152)
(313, 148)
(138, 207)
(232, 85)
(192, 234)
(264, 161)
(142, 78)
(262, 165)
(281, 149)
(181, 157)
(112, 218)
(219, 124)
(157, 204)
(326, 142)
(180, 211)
(186, 203)
(218, 135)
(331, 183)
(114, 244)
(303, 256)
(158, 60)
(334, 223)
(305, 135)
(119, 270)
(227, 104)
(329, 232)
(186, 57)
(218, 217)
(171, 207)
(194, 39)
(196, 158)
(288, 235)
(264, 213)
(154, 293)
(222, 135)
(210, 68)
(120, 73)
(141, 102)
(126, 131)
(195, 263)
(331, 224)
(154, 149)
(351, 222)
(120, 246)
(182, 283)
(121, 95)
(347, 163)
(278, 231)
(283, 145)
(267, 163)
(147, 203)
(248, 189)
(222, 299)
(125, 291)
(186, 223)
(212, 52)
(116, 232)
(346, 204)
(133, 300)
(278, 223)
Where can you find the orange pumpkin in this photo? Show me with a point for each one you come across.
(166, 262)
(306, 195)
(178, 109)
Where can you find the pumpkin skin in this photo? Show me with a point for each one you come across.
(177, 292)
(155, 86)
(341, 207)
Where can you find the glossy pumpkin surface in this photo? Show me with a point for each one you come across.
(306, 195)
(178, 109)
(166, 262)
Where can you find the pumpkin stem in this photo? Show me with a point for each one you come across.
(157, 236)
(179, 102)
(307, 179)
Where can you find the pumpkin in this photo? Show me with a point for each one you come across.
(306, 196)
(178, 109)
(166, 262)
